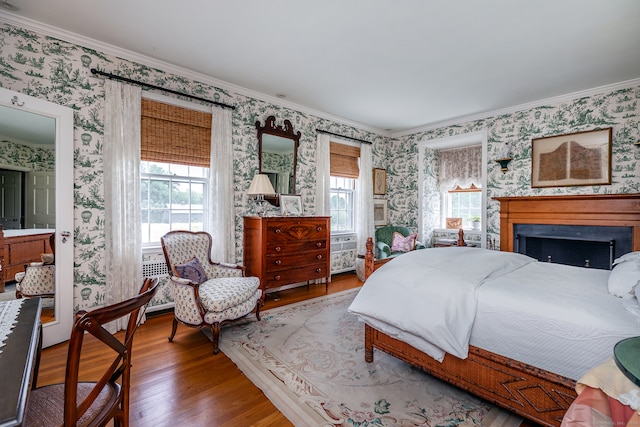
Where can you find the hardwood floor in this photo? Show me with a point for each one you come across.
(182, 383)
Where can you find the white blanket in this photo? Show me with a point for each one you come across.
(428, 297)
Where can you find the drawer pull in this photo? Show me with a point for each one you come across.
(318, 270)
(277, 262)
(277, 230)
(277, 249)
(277, 277)
(318, 256)
(318, 244)
(318, 228)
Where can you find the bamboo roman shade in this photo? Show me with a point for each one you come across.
(344, 160)
(172, 134)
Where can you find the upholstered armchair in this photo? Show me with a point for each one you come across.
(206, 294)
(384, 241)
(38, 279)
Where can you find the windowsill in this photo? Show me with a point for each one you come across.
(467, 231)
(342, 233)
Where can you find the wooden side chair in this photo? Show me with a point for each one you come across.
(206, 294)
(76, 403)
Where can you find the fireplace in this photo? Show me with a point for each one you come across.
(571, 229)
(578, 245)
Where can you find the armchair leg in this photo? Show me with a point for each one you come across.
(258, 307)
(174, 327)
(215, 335)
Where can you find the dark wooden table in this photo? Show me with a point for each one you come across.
(18, 362)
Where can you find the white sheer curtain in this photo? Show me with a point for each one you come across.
(364, 190)
(460, 166)
(323, 175)
(123, 238)
(221, 202)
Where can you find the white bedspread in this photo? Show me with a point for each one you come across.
(430, 295)
(555, 317)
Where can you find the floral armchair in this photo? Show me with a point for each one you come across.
(385, 241)
(38, 278)
(206, 294)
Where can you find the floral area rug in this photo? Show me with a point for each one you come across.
(308, 359)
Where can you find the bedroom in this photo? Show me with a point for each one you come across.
(579, 111)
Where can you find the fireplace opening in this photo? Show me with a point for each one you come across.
(577, 245)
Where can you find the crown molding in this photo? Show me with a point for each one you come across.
(51, 31)
(509, 110)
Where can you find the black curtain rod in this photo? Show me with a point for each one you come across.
(343, 136)
(125, 79)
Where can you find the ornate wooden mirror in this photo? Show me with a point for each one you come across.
(278, 155)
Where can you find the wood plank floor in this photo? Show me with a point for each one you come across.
(182, 383)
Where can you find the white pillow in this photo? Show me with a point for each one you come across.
(631, 256)
(624, 277)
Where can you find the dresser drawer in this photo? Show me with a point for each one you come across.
(295, 246)
(301, 274)
(288, 231)
(294, 261)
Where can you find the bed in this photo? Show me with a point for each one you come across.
(540, 394)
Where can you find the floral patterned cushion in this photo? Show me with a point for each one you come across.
(223, 299)
(403, 244)
(192, 271)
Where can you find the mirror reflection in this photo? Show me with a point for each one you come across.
(277, 162)
(27, 206)
(278, 153)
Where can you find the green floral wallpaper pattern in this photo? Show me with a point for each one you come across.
(59, 71)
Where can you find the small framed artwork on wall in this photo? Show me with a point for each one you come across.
(380, 214)
(379, 181)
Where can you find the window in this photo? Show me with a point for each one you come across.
(172, 197)
(342, 204)
(174, 167)
(465, 203)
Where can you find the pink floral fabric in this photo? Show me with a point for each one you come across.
(403, 244)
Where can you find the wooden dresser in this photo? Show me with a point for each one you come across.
(285, 250)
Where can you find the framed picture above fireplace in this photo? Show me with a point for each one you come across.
(582, 158)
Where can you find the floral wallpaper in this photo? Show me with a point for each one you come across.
(619, 109)
(59, 71)
(37, 159)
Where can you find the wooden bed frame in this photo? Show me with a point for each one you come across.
(533, 393)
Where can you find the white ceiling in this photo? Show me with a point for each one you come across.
(391, 65)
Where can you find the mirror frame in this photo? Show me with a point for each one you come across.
(284, 131)
(59, 329)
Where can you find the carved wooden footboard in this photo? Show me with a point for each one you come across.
(538, 395)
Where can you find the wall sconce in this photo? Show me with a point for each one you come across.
(505, 157)
(260, 186)
(504, 163)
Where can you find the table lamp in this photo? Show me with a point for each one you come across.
(260, 186)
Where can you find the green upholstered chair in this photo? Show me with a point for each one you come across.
(384, 238)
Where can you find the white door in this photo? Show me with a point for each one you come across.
(10, 199)
(40, 205)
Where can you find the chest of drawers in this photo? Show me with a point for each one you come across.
(286, 250)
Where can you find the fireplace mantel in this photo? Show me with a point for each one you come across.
(599, 209)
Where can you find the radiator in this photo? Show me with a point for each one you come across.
(343, 253)
(155, 269)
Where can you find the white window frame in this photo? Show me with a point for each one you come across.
(350, 194)
(173, 210)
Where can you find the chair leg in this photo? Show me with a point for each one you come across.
(258, 307)
(174, 327)
(215, 336)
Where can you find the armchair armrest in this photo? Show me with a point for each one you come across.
(384, 250)
(215, 269)
(186, 297)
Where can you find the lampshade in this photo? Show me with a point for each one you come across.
(260, 186)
